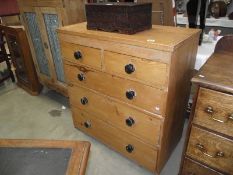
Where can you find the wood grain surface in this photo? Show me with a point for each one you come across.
(192, 167)
(217, 73)
(143, 154)
(212, 145)
(220, 119)
(149, 72)
(159, 37)
(116, 113)
(146, 97)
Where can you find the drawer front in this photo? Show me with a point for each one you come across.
(214, 110)
(146, 71)
(145, 97)
(117, 114)
(213, 150)
(122, 142)
(81, 54)
(191, 167)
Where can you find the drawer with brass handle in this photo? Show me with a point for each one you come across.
(211, 149)
(118, 114)
(191, 167)
(146, 71)
(213, 113)
(117, 139)
(131, 92)
(81, 54)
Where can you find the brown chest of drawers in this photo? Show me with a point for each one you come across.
(127, 90)
(210, 137)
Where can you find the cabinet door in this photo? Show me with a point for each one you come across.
(51, 20)
(30, 17)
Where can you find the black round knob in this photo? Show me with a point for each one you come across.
(130, 94)
(81, 77)
(77, 55)
(129, 121)
(129, 148)
(84, 100)
(87, 124)
(129, 68)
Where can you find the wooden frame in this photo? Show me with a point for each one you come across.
(77, 162)
(32, 84)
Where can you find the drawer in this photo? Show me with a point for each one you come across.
(211, 149)
(119, 115)
(214, 110)
(117, 139)
(81, 54)
(147, 71)
(191, 167)
(131, 92)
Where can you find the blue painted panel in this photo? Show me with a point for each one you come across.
(52, 23)
(37, 42)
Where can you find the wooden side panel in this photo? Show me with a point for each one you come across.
(181, 68)
(214, 110)
(211, 149)
(145, 97)
(116, 139)
(145, 127)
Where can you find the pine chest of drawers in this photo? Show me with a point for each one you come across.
(130, 91)
(209, 147)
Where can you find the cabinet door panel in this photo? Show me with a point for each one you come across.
(52, 22)
(35, 33)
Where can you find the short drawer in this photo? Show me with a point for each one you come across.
(211, 149)
(191, 167)
(214, 110)
(131, 92)
(147, 71)
(81, 54)
(119, 115)
(117, 139)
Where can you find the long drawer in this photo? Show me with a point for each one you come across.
(119, 115)
(191, 167)
(214, 110)
(145, 97)
(122, 142)
(146, 71)
(81, 54)
(211, 149)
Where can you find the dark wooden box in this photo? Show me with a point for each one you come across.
(127, 18)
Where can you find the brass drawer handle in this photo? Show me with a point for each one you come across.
(204, 151)
(210, 111)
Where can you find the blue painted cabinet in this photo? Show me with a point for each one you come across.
(41, 19)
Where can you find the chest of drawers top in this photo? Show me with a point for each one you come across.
(162, 38)
(217, 73)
